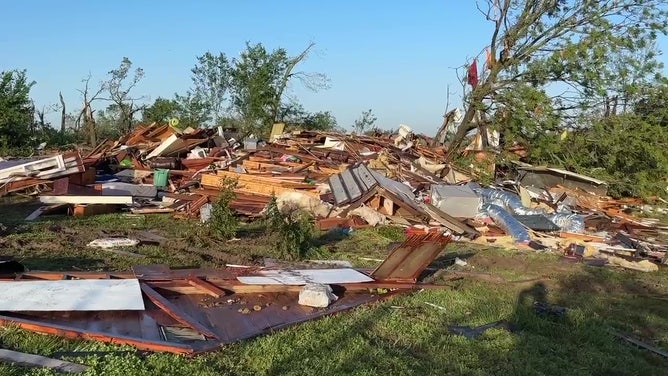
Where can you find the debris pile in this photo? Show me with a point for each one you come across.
(344, 181)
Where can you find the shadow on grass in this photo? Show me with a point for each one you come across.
(252, 230)
(57, 263)
(13, 213)
(443, 261)
(332, 236)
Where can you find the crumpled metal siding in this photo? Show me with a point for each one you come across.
(566, 221)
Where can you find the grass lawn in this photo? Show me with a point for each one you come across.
(407, 335)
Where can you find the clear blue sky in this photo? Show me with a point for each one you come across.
(394, 57)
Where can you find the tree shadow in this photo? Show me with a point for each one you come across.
(442, 262)
(65, 264)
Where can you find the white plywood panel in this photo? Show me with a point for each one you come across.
(304, 276)
(71, 295)
(119, 200)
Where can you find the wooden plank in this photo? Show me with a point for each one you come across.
(30, 360)
(119, 200)
(452, 223)
(585, 237)
(152, 210)
(272, 179)
(252, 187)
(206, 287)
(641, 344)
(174, 312)
(93, 209)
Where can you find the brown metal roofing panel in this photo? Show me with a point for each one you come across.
(406, 262)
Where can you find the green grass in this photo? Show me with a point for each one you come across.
(401, 336)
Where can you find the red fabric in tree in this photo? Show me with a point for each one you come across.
(473, 74)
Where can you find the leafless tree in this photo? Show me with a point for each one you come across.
(86, 114)
(63, 113)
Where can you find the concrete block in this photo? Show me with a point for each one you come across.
(316, 295)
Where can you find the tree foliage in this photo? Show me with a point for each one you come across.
(161, 111)
(211, 79)
(16, 109)
(320, 121)
(193, 110)
(581, 56)
(365, 122)
(295, 116)
(224, 223)
(259, 79)
(628, 149)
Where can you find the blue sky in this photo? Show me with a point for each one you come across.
(396, 58)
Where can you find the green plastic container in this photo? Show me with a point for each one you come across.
(160, 177)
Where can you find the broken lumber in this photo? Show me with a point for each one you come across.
(31, 360)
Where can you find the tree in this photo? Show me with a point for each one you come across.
(258, 82)
(320, 121)
(193, 110)
(108, 122)
(626, 149)
(63, 113)
(161, 111)
(119, 85)
(86, 113)
(569, 52)
(652, 104)
(294, 115)
(365, 122)
(16, 109)
(211, 77)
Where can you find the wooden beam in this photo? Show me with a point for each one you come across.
(30, 360)
(174, 312)
(450, 222)
(152, 210)
(584, 237)
(82, 210)
(206, 287)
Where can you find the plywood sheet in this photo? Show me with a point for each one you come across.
(304, 276)
(71, 295)
(118, 200)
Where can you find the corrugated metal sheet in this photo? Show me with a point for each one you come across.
(410, 258)
(352, 184)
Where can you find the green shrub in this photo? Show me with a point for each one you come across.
(293, 229)
(224, 223)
